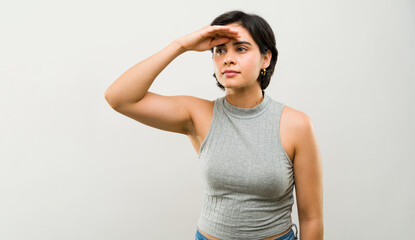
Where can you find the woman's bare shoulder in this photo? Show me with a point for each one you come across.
(196, 104)
(296, 121)
(201, 111)
(294, 116)
(198, 100)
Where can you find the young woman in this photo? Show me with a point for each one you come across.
(252, 149)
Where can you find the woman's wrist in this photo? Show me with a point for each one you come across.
(178, 46)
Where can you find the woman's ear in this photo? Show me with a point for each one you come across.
(266, 59)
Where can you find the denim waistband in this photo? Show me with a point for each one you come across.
(290, 235)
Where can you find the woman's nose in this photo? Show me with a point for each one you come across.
(229, 59)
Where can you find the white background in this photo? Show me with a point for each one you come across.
(73, 168)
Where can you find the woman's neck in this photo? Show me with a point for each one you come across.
(245, 99)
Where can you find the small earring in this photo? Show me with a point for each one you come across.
(264, 72)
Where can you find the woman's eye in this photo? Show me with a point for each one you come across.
(241, 49)
(219, 50)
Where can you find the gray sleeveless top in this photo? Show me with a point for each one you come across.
(247, 177)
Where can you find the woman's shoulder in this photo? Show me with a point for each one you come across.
(295, 119)
(197, 102)
(297, 127)
(198, 106)
(201, 112)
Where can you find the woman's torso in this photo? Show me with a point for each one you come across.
(202, 113)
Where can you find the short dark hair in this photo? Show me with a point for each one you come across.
(262, 34)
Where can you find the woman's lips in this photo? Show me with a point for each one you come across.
(230, 73)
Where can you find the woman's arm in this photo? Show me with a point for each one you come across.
(133, 84)
(308, 180)
(129, 94)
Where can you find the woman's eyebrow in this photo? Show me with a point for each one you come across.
(236, 43)
(241, 42)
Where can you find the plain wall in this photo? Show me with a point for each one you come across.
(73, 168)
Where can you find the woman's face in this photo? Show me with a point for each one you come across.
(237, 63)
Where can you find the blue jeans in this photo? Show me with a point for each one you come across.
(288, 236)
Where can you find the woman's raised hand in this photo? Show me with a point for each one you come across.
(207, 37)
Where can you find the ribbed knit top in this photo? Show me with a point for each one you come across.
(247, 177)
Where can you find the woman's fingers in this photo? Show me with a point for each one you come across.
(220, 41)
(204, 38)
(220, 31)
(223, 28)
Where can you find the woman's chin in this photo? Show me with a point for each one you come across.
(231, 83)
